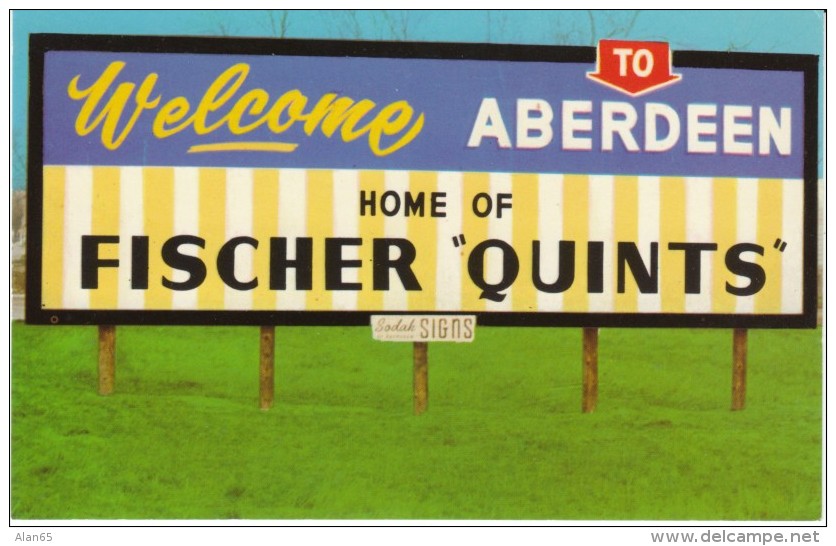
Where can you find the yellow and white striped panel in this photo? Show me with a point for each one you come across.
(218, 204)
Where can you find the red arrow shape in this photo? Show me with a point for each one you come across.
(634, 67)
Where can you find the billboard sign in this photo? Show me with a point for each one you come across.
(219, 181)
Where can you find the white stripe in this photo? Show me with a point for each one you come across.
(792, 260)
(747, 232)
(601, 229)
(503, 230)
(549, 233)
(292, 222)
(78, 219)
(395, 299)
(448, 292)
(186, 222)
(239, 223)
(698, 218)
(648, 232)
(130, 224)
(347, 224)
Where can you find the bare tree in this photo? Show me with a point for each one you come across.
(611, 24)
(18, 212)
(395, 25)
(496, 25)
(223, 27)
(18, 217)
(346, 24)
(18, 157)
(275, 24)
(399, 23)
(740, 44)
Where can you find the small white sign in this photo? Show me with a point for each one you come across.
(458, 328)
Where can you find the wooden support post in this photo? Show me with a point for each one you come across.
(107, 358)
(590, 369)
(266, 367)
(420, 377)
(739, 350)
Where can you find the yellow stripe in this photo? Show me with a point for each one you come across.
(370, 227)
(725, 235)
(158, 204)
(422, 232)
(672, 229)
(770, 227)
(52, 251)
(212, 228)
(105, 221)
(320, 205)
(475, 231)
(265, 225)
(626, 205)
(576, 228)
(525, 217)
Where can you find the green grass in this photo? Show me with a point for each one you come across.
(504, 437)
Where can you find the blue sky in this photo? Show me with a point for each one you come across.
(757, 30)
